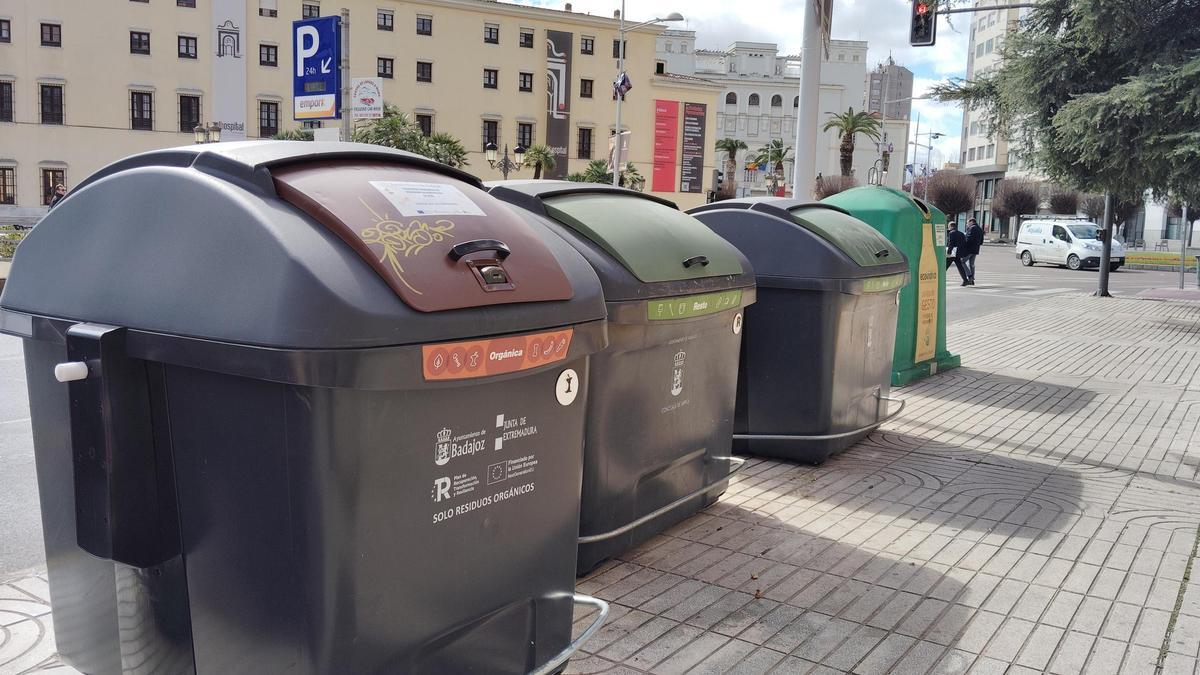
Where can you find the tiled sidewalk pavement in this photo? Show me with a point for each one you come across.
(1035, 511)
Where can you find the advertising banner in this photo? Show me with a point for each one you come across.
(928, 270)
(366, 98)
(316, 75)
(558, 100)
(666, 145)
(692, 176)
(229, 68)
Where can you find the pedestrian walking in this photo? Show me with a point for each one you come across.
(954, 243)
(60, 192)
(970, 249)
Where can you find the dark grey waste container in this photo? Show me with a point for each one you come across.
(323, 413)
(817, 355)
(660, 407)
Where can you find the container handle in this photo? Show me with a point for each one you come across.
(882, 253)
(701, 260)
(737, 463)
(478, 245)
(562, 657)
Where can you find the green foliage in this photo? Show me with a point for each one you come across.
(731, 147)
(397, 130)
(848, 125)
(577, 177)
(444, 148)
(1101, 95)
(294, 135)
(597, 172)
(541, 157)
(773, 154)
(632, 178)
(10, 236)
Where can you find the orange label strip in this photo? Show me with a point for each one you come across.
(483, 358)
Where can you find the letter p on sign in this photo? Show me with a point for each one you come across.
(306, 47)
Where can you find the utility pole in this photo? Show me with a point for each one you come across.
(1185, 229)
(810, 92)
(620, 97)
(912, 186)
(344, 66)
(1106, 252)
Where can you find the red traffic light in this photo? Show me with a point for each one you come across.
(922, 8)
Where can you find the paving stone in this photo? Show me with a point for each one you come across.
(1040, 647)
(884, 656)
(1073, 652)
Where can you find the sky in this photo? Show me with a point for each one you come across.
(883, 24)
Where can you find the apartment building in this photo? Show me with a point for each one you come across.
(85, 83)
(759, 93)
(890, 90)
(983, 154)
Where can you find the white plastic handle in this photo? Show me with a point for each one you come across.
(71, 371)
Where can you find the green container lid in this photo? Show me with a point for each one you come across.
(650, 239)
(854, 237)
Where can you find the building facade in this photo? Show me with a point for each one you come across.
(85, 83)
(890, 86)
(759, 101)
(982, 154)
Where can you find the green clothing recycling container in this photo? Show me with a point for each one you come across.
(919, 230)
(816, 358)
(661, 398)
(268, 394)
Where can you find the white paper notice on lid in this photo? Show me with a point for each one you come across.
(427, 199)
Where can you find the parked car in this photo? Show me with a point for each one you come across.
(1073, 243)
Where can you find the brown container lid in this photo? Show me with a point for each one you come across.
(440, 243)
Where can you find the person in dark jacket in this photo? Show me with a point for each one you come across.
(970, 249)
(60, 191)
(955, 240)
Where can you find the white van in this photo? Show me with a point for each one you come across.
(1074, 243)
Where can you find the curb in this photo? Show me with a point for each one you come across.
(1159, 268)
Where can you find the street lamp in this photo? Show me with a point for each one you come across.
(505, 164)
(933, 136)
(621, 31)
(207, 134)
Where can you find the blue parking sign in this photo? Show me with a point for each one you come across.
(316, 71)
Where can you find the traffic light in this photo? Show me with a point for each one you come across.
(923, 32)
(718, 179)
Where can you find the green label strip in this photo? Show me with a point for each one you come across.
(882, 284)
(693, 305)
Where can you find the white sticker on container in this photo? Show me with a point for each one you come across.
(737, 324)
(427, 199)
(567, 387)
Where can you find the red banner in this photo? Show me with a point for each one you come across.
(666, 145)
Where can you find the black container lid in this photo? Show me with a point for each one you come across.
(791, 241)
(297, 245)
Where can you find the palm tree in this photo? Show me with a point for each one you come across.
(294, 135)
(444, 148)
(393, 130)
(849, 124)
(632, 178)
(597, 172)
(774, 153)
(730, 146)
(541, 157)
